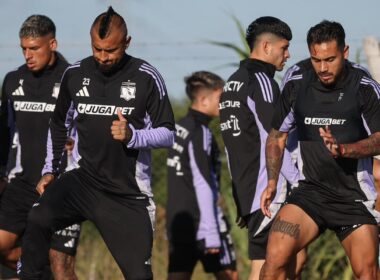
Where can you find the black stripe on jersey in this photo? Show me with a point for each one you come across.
(373, 83)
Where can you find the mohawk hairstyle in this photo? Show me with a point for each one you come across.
(105, 21)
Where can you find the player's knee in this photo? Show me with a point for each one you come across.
(277, 258)
(40, 217)
(365, 270)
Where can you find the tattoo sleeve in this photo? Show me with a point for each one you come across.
(274, 151)
(363, 148)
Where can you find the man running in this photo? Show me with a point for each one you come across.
(29, 95)
(246, 109)
(196, 226)
(336, 110)
(121, 110)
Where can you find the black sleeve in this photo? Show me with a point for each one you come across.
(160, 112)
(283, 118)
(265, 97)
(58, 128)
(6, 122)
(369, 99)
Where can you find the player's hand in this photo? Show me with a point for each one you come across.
(240, 222)
(212, 251)
(330, 141)
(266, 199)
(44, 182)
(120, 129)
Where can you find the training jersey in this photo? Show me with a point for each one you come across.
(28, 101)
(90, 100)
(294, 72)
(246, 109)
(352, 111)
(193, 183)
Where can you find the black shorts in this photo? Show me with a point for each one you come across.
(184, 256)
(15, 204)
(341, 217)
(258, 232)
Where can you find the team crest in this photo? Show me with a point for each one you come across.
(56, 90)
(128, 90)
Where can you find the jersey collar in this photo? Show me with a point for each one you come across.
(257, 65)
(200, 117)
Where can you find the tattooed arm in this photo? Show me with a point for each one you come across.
(364, 148)
(274, 151)
(361, 149)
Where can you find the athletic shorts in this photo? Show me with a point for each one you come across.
(15, 204)
(184, 256)
(258, 231)
(377, 157)
(342, 218)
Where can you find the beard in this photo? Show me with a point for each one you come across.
(107, 69)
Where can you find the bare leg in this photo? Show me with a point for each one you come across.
(376, 175)
(291, 231)
(256, 266)
(227, 274)
(62, 265)
(9, 253)
(362, 247)
(179, 276)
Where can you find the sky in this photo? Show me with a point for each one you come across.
(173, 35)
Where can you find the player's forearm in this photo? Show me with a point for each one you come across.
(363, 148)
(160, 137)
(274, 151)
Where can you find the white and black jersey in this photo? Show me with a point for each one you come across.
(351, 109)
(28, 101)
(90, 100)
(246, 110)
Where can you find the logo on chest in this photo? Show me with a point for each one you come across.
(19, 91)
(128, 90)
(56, 90)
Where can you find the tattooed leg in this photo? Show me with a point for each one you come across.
(291, 231)
(286, 228)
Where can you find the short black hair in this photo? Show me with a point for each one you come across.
(267, 24)
(327, 31)
(37, 26)
(202, 80)
(105, 20)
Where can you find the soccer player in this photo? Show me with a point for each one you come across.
(336, 110)
(29, 95)
(196, 226)
(121, 110)
(246, 109)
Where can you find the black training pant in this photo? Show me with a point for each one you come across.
(124, 224)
